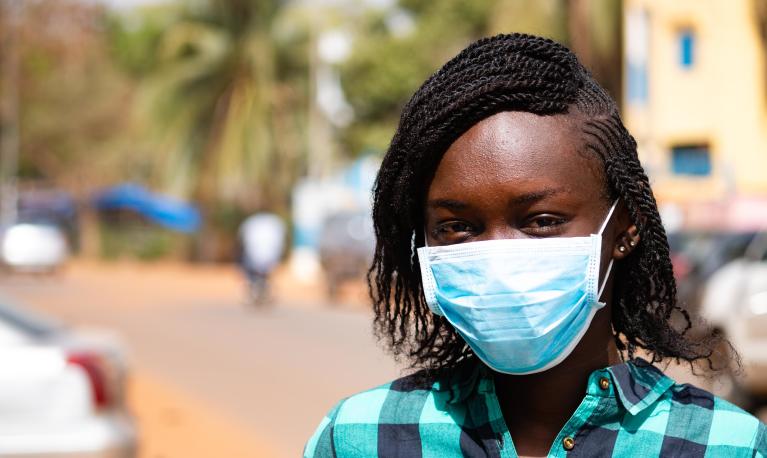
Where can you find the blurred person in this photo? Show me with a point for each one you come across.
(262, 242)
(521, 265)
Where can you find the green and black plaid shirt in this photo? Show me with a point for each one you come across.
(630, 410)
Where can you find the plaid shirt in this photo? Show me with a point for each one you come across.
(630, 410)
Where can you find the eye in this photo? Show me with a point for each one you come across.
(544, 224)
(453, 227)
(452, 231)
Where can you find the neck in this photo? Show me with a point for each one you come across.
(537, 406)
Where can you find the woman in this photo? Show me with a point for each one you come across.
(521, 264)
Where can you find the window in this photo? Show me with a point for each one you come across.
(636, 55)
(637, 84)
(692, 160)
(686, 39)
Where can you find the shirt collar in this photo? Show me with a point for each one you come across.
(637, 383)
(468, 378)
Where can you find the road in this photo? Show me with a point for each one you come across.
(213, 377)
(272, 373)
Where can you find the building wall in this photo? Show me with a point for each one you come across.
(719, 100)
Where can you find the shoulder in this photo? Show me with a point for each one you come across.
(696, 414)
(393, 413)
(685, 416)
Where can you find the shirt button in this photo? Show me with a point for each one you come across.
(568, 443)
(604, 383)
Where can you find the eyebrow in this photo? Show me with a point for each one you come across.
(452, 204)
(449, 204)
(536, 196)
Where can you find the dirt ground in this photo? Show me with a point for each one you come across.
(174, 425)
(222, 281)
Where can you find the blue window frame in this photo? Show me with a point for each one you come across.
(691, 160)
(687, 42)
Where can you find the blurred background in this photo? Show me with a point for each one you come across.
(185, 199)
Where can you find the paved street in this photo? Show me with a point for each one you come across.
(269, 374)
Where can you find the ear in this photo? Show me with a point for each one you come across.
(626, 241)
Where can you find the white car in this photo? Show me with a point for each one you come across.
(33, 246)
(61, 393)
(735, 301)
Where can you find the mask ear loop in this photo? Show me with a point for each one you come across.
(610, 265)
(604, 282)
(609, 215)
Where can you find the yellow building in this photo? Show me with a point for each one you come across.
(695, 98)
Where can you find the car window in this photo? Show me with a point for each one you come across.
(10, 335)
(757, 250)
(27, 323)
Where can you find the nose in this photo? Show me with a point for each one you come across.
(500, 231)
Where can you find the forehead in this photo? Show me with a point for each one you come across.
(516, 151)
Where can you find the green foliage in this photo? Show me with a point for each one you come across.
(209, 99)
(546, 18)
(222, 99)
(70, 96)
(386, 66)
(216, 85)
(462, 17)
(139, 240)
(134, 37)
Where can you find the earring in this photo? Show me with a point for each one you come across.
(622, 249)
(632, 243)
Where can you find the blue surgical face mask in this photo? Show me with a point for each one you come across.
(522, 305)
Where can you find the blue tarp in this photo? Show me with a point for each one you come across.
(163, 210)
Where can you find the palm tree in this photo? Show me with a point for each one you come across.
(595, 34)
(591, 28)
(760, 18)
(216, 101)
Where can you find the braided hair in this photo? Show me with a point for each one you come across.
(516, 73)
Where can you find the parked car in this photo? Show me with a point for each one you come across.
(735, 301)
(52, 205)
(347, 242)
(696, 255)
(61, 392)
(34, 245)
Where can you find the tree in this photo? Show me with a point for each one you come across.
(390, 60)
(595, 34)
(219, 97)
(387, 66)
(591, 28)
(759, 9)
(71, 98)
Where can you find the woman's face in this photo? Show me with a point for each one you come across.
(519, 175)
